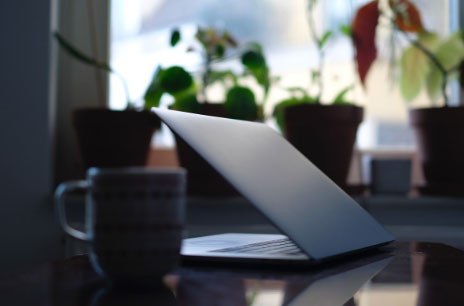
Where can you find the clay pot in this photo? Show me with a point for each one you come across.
(325, 134)
(439, 134)
(110, 138)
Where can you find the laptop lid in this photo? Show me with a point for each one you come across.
(287, 188)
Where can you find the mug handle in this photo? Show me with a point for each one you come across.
(60, 192)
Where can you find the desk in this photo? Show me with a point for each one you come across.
(404, 274)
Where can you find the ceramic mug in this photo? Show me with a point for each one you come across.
(134, 220)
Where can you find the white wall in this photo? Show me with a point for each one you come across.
(28, 233)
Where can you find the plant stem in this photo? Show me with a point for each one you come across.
(205, 77)
(93, 43)
(321, 54)
(84, 58)
(321, 68)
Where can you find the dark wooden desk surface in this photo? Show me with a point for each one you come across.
(405, 274)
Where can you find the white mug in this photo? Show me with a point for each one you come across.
(134, 220)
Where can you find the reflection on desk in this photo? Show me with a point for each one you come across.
(407, 274)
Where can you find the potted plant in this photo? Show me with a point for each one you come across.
(192, 96)
(428, 62)
(111, 138)
(214, 47)
(324, 132)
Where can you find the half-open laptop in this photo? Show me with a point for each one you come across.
(317, 219)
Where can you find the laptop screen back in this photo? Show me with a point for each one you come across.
(286, 187)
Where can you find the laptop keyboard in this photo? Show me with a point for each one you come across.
(281, 246)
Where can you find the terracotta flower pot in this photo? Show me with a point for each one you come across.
(202, 179)
(109, 138)
(325, 134)
(439, 134)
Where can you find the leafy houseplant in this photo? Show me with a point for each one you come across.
(324, 133)
(190, 94)
(428, 62)
(110, 138)
(214, 47)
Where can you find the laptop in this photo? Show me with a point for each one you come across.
(317, 219)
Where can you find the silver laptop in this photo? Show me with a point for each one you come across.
(317, 219)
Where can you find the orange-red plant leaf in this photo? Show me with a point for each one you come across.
(408, 18)
(363, 26)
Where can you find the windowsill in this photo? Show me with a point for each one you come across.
(362, 156)
(388, 150)
(163, 157)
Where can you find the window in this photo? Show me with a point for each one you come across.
(140, 42)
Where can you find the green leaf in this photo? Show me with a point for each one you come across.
(262, 77)
(278, 111)
(187, 103)
(415, 66)
(214, 42)
(203, 36)
(253, 60)
(219, 50)
(451, 52)
(433, 84)
(346, 30)
(175, 79)
(79, 55)
(340, 98)
(324, 39)
(409, 88)
(154, 91)
(240, 103)
(430, 40)
(152, 98)
(175, 37)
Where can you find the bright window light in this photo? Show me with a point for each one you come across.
(140, 42)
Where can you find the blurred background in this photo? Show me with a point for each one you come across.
(41, 85)
(140, 32)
